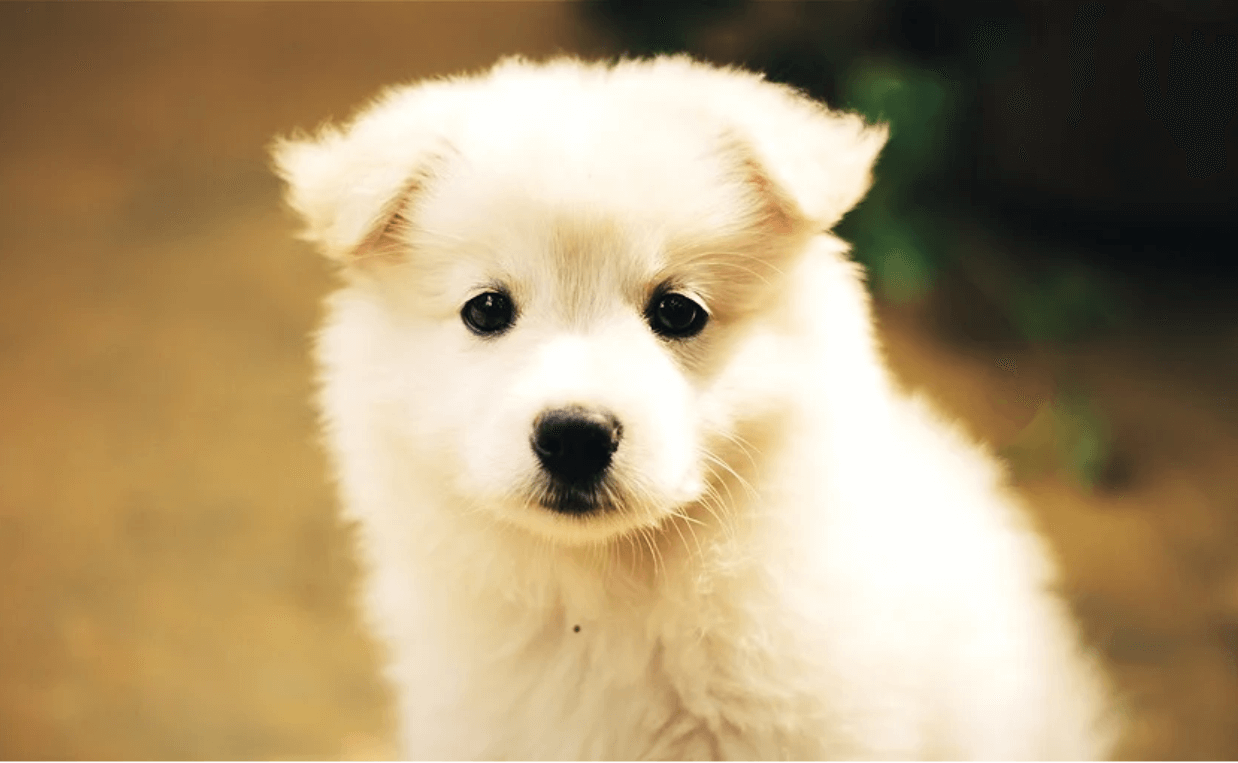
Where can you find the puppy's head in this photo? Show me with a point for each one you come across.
(551, 268)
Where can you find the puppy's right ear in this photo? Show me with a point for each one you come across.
(351, 187)
(820, 158)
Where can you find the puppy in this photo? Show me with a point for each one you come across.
(630, 477)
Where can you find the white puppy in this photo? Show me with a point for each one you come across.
(630, 476)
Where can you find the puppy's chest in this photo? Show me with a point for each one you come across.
(607, 687)
(574, 687)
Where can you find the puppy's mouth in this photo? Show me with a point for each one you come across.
(574, 446)
(576, 500)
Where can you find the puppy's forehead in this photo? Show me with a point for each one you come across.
(644, 164)
(574, 261)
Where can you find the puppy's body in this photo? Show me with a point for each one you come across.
(780, 557)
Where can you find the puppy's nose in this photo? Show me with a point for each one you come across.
(575, 444)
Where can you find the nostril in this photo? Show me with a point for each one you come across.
(576, 444)
(549, 444)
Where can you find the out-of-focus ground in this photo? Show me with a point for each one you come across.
(173, 582)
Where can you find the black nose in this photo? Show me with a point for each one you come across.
(575, 444)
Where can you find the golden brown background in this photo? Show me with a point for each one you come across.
(173, 582)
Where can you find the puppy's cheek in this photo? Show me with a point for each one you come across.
(682, 453)
(484, 445)
(494, 460)
(663, 456)
(451, 412)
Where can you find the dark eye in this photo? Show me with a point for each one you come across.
(675, 316)
(489, 313)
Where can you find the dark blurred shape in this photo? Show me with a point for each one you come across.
(650, 27)
(1198, 101)
(1083, 34)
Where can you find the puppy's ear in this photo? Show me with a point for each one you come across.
(351, 186)
(822, 159)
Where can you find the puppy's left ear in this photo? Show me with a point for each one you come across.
(350, 186)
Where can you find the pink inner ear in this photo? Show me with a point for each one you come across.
(387, 240)
(775, 212)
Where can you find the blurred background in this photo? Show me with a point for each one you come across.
(1051, 241)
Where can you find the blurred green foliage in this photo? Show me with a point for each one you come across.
(905, 235)
(1063, 304)
(1068, 436)
(893, 233)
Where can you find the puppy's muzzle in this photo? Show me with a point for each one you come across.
(575, 446)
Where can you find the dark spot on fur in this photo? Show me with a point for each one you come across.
(576, 629)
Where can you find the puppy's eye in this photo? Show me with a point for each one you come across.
(489, 313)
(675, 316)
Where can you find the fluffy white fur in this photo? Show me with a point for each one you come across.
(800, 561)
